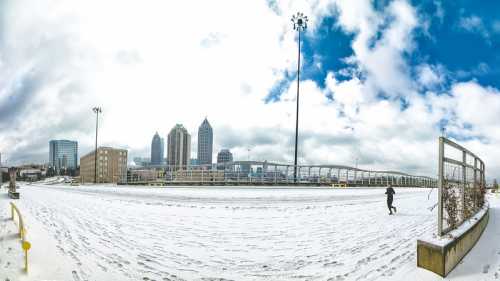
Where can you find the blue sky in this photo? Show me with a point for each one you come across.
(379, 80)
(461, 37)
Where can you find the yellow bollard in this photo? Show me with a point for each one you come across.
(26, 247)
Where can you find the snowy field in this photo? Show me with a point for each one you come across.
(128, 233)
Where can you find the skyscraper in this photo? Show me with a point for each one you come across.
(156, 150)
(63, 154)
(179, 146)
(205, 143)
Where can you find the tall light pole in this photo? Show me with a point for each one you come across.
(300, 24)
(96, 110)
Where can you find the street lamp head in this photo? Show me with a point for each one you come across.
(97, 110)
(299, 21)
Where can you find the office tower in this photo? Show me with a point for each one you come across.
(63, 155)
(156, 150)
(178, 147)
(205, 143)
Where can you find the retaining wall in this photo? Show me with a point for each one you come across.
(442, 256)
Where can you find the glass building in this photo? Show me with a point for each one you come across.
(157, 150)
(205, 143)
(63, 155)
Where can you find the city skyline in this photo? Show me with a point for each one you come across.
(379, 81)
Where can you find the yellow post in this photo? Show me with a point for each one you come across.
(22, 233)
(26, 260)
(26, 247)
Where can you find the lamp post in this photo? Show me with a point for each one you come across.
(299, 24)
(96, 110)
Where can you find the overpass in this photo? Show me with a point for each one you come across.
(269, 173)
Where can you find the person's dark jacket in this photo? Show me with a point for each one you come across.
(390, 192)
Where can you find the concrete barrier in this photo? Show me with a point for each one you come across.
(442, 255)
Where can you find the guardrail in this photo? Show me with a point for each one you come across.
(268, 173)
(22, 233)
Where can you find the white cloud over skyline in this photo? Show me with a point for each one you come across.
(153, 64)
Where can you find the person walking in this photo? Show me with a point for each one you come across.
(390, 192)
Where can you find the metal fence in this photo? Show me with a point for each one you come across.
(461, 183)
(265, 173)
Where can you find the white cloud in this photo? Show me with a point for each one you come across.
(496, 26)
(474, 24)
(471, 23)
(440, 13)
(382, 57)
(430, 76)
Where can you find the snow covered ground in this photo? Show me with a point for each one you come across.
(130, 233)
